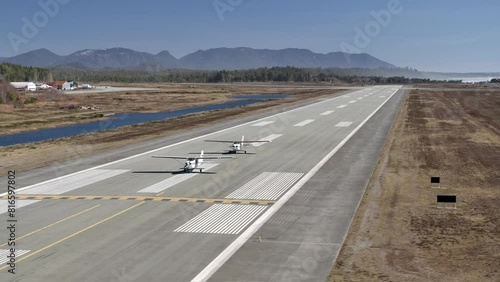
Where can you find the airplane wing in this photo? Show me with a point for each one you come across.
(246, 141)
(215, 158)
(221, 141)
(170, 157)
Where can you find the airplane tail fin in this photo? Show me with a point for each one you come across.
(242, 138)
(201, 155)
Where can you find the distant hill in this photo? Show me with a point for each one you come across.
(248, 58)
(212, 59)
(36, 58)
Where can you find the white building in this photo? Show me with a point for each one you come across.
(29, 86)
(43, 86)
(68, 85)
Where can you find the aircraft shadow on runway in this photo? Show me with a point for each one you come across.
(173, 172)
(227, 153)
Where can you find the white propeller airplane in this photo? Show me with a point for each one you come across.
(237, 145)
(192, 163)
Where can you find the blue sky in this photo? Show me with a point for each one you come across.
(445, 35)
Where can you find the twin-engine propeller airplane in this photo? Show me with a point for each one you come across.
(192, 163)
(237, 145)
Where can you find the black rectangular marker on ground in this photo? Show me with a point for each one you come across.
(446, 198)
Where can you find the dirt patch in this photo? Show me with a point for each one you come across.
(398, 234)
(30, 156)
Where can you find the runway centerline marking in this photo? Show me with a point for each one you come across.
(263, 123)
(344, 124)
(341, 106)
(352, 102)
(326, 113)
(267, 138)
(305, 122)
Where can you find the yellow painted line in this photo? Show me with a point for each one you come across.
(147, 198)
(50, 225)
(74, 234)
(159, 194)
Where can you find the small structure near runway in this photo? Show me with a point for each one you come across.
(435, 182)
(446, 201)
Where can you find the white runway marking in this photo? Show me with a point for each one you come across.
(266, 186)
(326, 113)
(61, 186)
(174, 180)
(341, 106)
(4, 253)
(305, 122)
(352, 102)
(343, 124)
(360, 98)
(19, 204)
(263, 123)
(268, 138)
(222, 219)
(382, 96)
(223, 257)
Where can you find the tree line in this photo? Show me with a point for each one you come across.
(12, 72)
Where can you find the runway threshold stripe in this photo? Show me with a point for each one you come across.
(174, 180)
(305, 122)
(266, 186)
(267, 138)
(222, 219)
(5, 252)
(19, 204)
(64, 185)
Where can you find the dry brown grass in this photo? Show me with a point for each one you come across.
(398, 234)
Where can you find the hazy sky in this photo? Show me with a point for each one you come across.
(444, 35)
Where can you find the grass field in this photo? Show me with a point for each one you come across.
(398, 234)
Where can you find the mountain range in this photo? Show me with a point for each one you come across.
(211, 59)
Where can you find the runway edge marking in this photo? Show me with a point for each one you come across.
(210, 269)
(181, 142)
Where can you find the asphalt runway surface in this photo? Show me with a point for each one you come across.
(278, 213)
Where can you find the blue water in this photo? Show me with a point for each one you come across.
(118, 120)
(262, 96)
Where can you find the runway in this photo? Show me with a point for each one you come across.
(278, 213)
